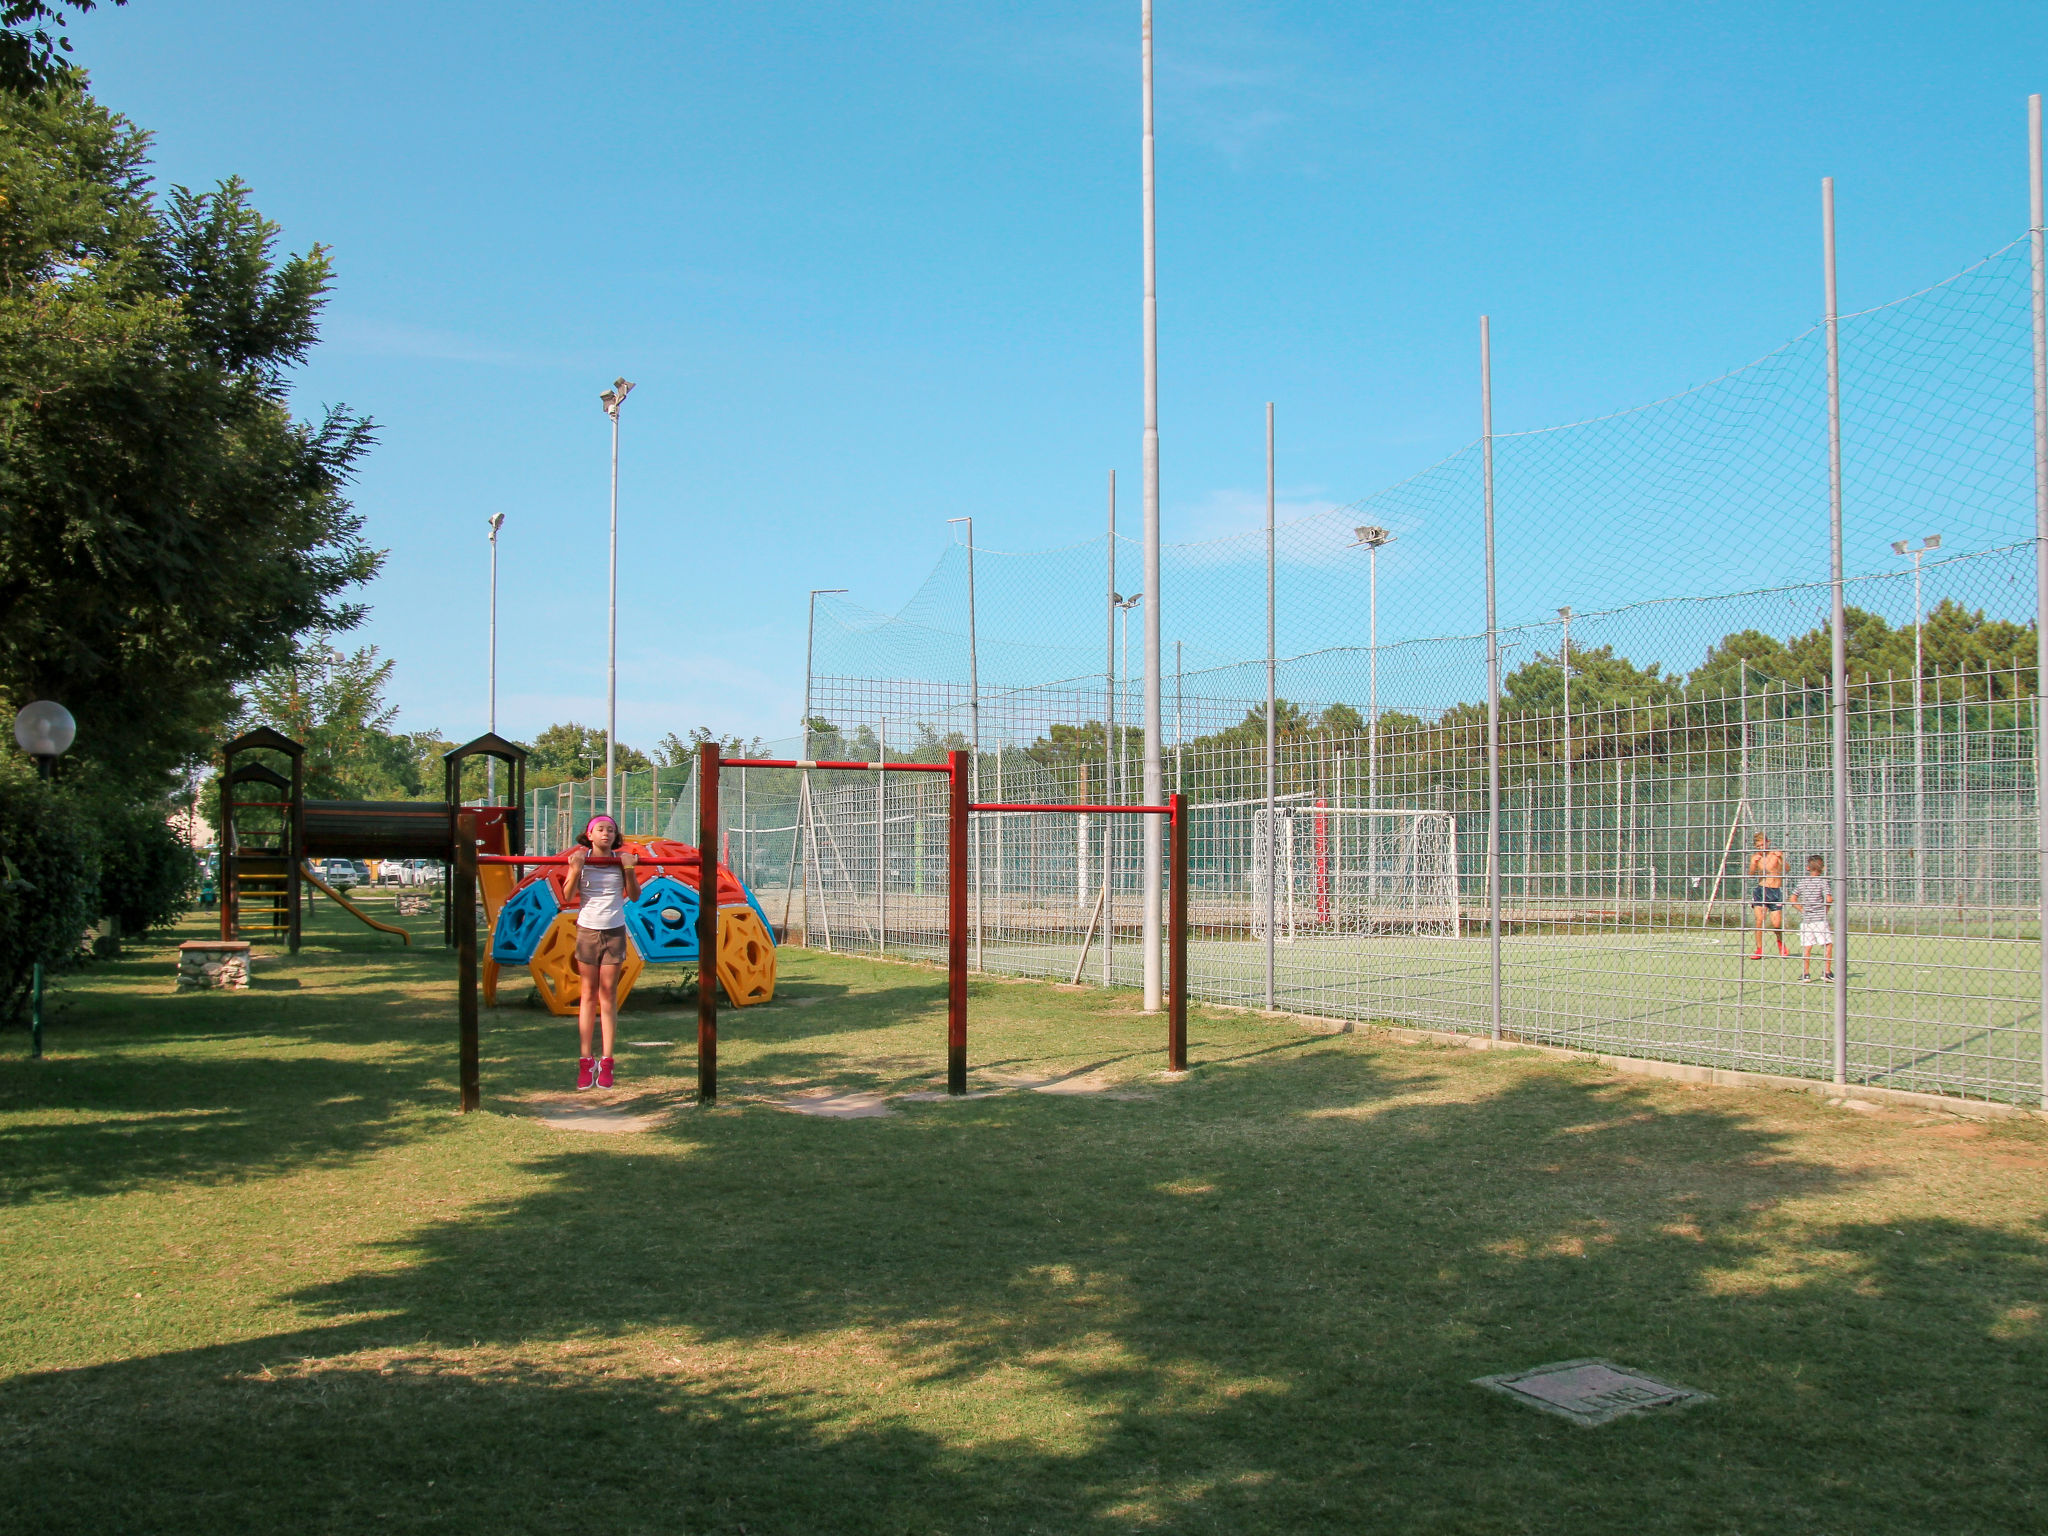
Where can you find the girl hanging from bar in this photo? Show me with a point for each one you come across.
(600, 940)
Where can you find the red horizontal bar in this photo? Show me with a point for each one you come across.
(1104, 810)
(561, 858)
(798, 762)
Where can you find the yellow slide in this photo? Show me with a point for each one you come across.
(341, 901)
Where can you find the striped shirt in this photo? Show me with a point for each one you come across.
(1810, 896)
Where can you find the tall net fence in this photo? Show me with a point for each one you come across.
(1664, 632)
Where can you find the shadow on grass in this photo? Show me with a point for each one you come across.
(1253, 1303)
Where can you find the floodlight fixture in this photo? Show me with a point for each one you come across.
(615, 397)
(1373, 537)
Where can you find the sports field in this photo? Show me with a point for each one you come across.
(1952, 1015)
(262, 1279)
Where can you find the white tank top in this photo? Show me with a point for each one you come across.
(604, 897)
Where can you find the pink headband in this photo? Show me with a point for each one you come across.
(600, 816)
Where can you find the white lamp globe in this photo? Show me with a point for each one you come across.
(44, 729)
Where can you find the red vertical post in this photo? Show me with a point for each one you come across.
(463, 907)
(1177, 939)
(1322, 867)
(707, 923)
(956, 926)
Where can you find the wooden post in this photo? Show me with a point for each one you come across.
(707, 923)
(1177, 940)
(463, 906)
(956, 926)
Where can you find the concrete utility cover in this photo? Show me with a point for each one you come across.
(836, 1106)
(1589, 1392)
(598, 1119)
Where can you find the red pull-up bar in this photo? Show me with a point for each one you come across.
(804, 762)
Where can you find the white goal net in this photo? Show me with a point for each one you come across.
(1352, 871)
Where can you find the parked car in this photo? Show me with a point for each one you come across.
(343, 873)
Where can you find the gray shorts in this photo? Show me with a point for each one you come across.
(600, 946)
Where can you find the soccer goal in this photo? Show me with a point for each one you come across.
(1354, 871)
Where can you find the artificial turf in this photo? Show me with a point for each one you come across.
(260, 1277)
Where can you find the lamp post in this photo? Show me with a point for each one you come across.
(1903, 547)
(491, 763)
(612, 399)
(1372, 540)
(45, 731)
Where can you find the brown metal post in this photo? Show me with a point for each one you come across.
(463, 906)
(956, 927)
(707, 923)
(294, 840)
(1177, 941)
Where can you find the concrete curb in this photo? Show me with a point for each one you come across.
(1673, 1071)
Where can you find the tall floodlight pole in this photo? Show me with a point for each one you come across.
(1155, 781)
(1272, 723)
(2040, 256)
(1902, 547)
(1838, 864)
(973, 740)
(810, 646)
(491, 763)
(1492, 684)
(1374, 539)
(1564, 659)
(612, 399)
(1109, 642)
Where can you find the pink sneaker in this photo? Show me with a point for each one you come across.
(604, 1073)
(586, 1070)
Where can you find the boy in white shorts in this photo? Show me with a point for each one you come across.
(1814, 899)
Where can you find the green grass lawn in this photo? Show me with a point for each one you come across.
(260, 1277)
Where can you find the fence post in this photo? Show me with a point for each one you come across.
(462, 913)
(1177, 941)
(956, 924)
(1839, 628)
(2040, 265)
(707, 923)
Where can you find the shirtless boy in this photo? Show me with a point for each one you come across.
(1767, 895)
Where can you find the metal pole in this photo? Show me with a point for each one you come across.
(1177, 942)
(956, 924)
(1372, 708)
(462, 908)
(491, 763)
(35, 1004)
(1919, 754)
(881, 839)
(707, 922)
(611, 673)
(1566, 614)
(810, 645)
(2040, 546)
(1839, 665)
(1179, 723)
(1492, 685)
(1154, 777)
(973, 739)
(1109, 827)
(1272, 732)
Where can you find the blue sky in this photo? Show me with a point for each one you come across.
(876, 266)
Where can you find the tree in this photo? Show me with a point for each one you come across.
(1600, 680)
(332, 702)
(572, 751)
(169, 528)
(31, 58)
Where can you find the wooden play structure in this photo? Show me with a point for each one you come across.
(691, 913)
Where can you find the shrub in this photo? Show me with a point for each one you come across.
(49, 884)
(148, 874)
